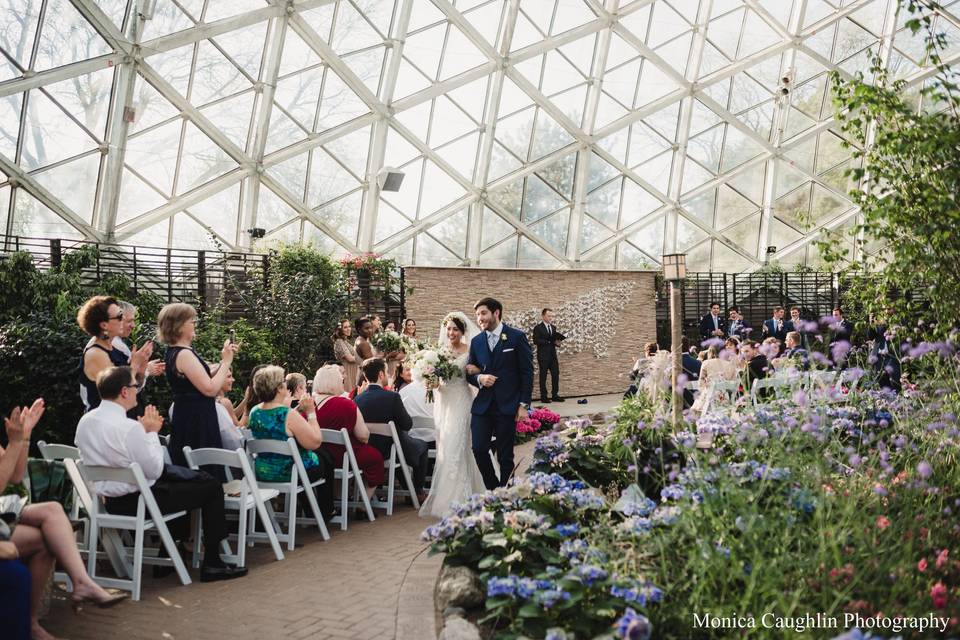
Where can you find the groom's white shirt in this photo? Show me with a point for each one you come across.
(496, 334)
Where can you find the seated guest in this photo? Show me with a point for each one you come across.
(795, 351)
(380, 405)
(691, 368)
(42, 537)
(336, 412)
(296, 386)
(714, 369)
(250, 399)
(401, 378)
(650, 350)
(107, 438)
(771, 347)
(737, 326)
(414, 397)
(757, 363)
(712, 325)
(274, 419)
(102, 318)
(15, 595)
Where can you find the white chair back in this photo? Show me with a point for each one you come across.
(777, 382)
(721, 392)
(396, 461)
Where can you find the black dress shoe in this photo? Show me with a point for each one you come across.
(558, 399)
(226, 572)
(545, 401)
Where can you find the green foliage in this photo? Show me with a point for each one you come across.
(907, 183)
(256, 347)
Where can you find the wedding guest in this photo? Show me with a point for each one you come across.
(195, 389)
(798, 324)
(42, 537)
(713, 370)
(297, 388)
(379, 405)
(737, 326)
(107, 438)
(336, 412)
(274, 419)
(546, 337)
(345, 353)
(391, 326)
(250, 399)
(15, 615)
(757, 363)
(376, 322)
(795, 350)
(410, 328)
(230, 434)
(102, 318)
(691, 369)
(771, 347)
(884, 356)
(840, 329)
(414, 396)
(775, 327)
(365, 330)
(712, 324)
(401, 378)
(640, 367)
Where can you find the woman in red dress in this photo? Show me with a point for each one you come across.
(337, 412)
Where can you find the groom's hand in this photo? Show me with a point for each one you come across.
(486, 380)
(521, 413)
(472, 369)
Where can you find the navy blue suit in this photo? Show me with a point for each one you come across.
(770, 329)
(495, 408)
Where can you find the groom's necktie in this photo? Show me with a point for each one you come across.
(491, 340)
(549, 330)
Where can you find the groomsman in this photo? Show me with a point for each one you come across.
(713, 325)
(737, 326)
(775, 327)
(840, 328)
(546, 337)
(795, 323)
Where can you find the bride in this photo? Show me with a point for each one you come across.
(455, 475)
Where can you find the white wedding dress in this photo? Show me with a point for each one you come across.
(455, 475)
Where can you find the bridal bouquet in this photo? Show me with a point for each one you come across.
(387, 342)
(433, 366)
(412, 345)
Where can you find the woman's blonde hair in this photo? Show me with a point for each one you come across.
(171, 319)
(295, 380)
(328, 380)
(267, 382)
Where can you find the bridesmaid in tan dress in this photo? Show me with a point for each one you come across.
(344, 352)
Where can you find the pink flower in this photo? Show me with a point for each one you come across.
(882, 523)
(942, 558)
(939, 594)
(922, 565)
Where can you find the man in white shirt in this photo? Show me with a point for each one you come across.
(107, 437)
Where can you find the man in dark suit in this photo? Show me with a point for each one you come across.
(546, 337)
(795, 350)
(885, 356)
(756, 362)
(736, 325)
(775, 327)
(713, 325)
(840, 329)
(691, 369)
(500, 365)
(378, 405)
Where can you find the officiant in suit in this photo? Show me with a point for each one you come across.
(713, 325)
(546, 337)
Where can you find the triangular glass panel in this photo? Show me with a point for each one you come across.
(592, 233)
(398, 150)
(669, 24)
(619, 53)
(788, 178)
(352, 150)
(629, 257)
(831, 152)
(539, 200)
(424, 49)
(676, 53)
(698, 257)
(193, 8)
(745, 234)
(452, 232)
(758, 35)
(702, 207)
(503, 255)
(559, 175)
(136, 197)
(851, 38)
(599, 171)
(702, 118)
(649, 238)
(532, 256)
(65, 37)
(794, 208)
(645, 143)
(531, 69)
(157, 235)
(167, 18)
(616, 144)
(502, 162)
(50, 135)
(292, 175)
(605, 259)
(343, 214)
(440, 189)
(719, 91)
(220, 9)
(449, 122)
(462, 154)
(368, 66)
(460, 55)
(74, 184)
(749, 184)
(548, 137)
(245, 47)
(18, 35)
(298, 95)
(726, 260)
(201, 160)
(688, 234)
(409, 80)
(559, 74)
(468, 98)
(782, 234)
(571, 103)
(189, 234)
(286, 234)
(656, 171)
(621, 83)
(402, 253)
(655, 84)
(580, 53)
(512, 99)
(149, 106)
(494, 230)
(174, 66)
(525, 32)
(746, 92)
(33, 218)
(553, 229)
(486, 20)
(826, 205)
(339, 103)
(86, 98)
(429, 252)
(816, 10)
(638, 22)
(232, 116)
(732, 206)
(694, 175)
(711, 60)
(423, 14)
(220, 213)
(802, 155)
(738, 148)
(604, 203)
(760, 119)
(570, 15)
(808, 97)
(705, 147)
(328, 179)
(665, 121)
(352, 32)
(389, 222)
(153, 154)
(724, 33)
(509, 199)
(296, 54)
(514, 132)
(283, 131)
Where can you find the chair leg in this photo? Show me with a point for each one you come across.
(344, 501)
(197, 533)
(92, 549)
(268, 520)
(315, 509)
(137, 562)
(242, 535)
(173, 552)
(291, 513)
(391, 482)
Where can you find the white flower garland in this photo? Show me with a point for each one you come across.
(588, 321)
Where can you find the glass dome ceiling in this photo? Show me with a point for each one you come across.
(532, 133)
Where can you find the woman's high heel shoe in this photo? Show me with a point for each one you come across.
(114, 599)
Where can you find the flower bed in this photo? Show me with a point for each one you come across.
(538, 421)
(813, 511)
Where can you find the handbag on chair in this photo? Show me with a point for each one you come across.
(10, 508)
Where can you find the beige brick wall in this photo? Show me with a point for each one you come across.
(437, 291)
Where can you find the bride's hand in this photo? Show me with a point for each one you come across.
(472, 369)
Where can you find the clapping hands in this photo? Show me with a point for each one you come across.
(22, 420)
(151, 420)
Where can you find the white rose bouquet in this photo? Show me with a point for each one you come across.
(432, 367)
(387, 342)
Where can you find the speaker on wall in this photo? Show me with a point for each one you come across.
(390, 179)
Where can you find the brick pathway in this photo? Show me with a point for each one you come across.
(347, 588)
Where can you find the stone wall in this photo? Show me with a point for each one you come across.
(610, 312)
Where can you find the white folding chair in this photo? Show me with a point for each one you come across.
(820, 379)
(165, 443)
(60, 452)
(299, 482)
(348, 471)
(250, 501)
(426, 426)
(776, 383)
(852, 382)
(395, 461)
(721, 392)
(149, 517)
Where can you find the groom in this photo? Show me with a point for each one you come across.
(501, 366)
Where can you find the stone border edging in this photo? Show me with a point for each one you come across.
(416, 612)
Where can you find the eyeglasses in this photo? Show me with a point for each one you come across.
(132, 386)
(119, 316)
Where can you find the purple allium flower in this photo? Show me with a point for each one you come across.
(924, 470)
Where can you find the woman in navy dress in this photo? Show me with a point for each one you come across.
(102, 318)
(194, 423)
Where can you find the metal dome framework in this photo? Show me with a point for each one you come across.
(533, 133)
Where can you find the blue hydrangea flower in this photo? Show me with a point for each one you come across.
(633, 626)
(567, 529)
